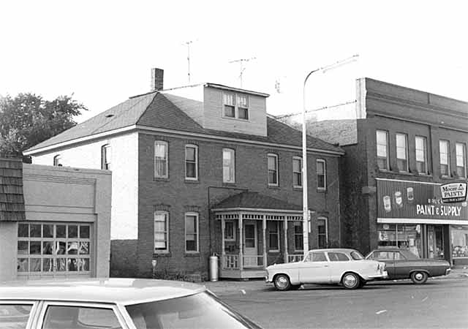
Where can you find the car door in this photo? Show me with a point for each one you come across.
(315, 268)
(339, 264)
(402, 266)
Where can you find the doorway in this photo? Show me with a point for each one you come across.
(435, 242)
(250, 245)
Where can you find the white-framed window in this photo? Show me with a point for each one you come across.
(402, 152)
(160, 159)
(106, 157)
(46, 249)
(421, 154)
(191, 232)
(191, 162)
(229, 166)
(272, 169)
(297, 171)
(460, 150)
(444, 150)
(382, 149)
(321, 174)
(161, 232)
(229, 231)
(242, 107)
(322, 231)
(273, 234)
(298, 237)
(236, 106)
(58, 160)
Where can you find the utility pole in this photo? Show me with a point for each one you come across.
(242, 68)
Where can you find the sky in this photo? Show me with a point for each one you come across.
(101, 52)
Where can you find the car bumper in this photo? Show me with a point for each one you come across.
(383, 275)
(447, 271)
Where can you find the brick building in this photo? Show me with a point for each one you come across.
(203, 170)
(404, 145)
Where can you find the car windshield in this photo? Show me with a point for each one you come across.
(201, 310)
(356, 255)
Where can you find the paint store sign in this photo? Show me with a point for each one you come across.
(433, 210)
(453, 192)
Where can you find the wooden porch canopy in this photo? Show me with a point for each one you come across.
(255, 206)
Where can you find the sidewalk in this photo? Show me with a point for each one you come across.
(244, 287)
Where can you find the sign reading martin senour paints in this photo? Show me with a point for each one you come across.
(453, 192)
(418, 200)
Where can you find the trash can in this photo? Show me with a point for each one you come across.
(213, 268)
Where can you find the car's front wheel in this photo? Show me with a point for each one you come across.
(419, 277)
(351, 281)
(282, 282)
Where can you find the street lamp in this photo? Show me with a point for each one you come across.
(305, 206)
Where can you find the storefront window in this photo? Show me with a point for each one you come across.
(401, 236)
(459, 237)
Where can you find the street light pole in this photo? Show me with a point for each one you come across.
(305, 205)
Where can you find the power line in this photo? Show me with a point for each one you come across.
(314, 110)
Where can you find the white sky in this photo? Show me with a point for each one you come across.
(102, 51)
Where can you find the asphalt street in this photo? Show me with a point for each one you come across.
(440, 303)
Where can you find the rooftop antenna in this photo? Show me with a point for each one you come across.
(188, 43)
(242, 68)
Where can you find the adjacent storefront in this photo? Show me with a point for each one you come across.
(429, 221)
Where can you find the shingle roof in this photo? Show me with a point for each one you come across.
(11, 190)
(157, 110)
(255, 200)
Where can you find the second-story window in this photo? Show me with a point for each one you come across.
(460, 150)
(321, 175)
(191, 162)
(297, 172)
(444, 148)
(272, 170)
(160, 159)
(402, 152)
(58, 160)
(106, 157)
(382, 149)
(243, 107)
(421, 154)
(229, 166)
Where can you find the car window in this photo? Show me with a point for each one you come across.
(78, 317)
(399, 256)
(319, 257)
(14, 316)
(338, 257)
(356, 256)
(383, 255)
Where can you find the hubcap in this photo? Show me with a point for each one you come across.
(350, 280)
(419, 276)
(282, 282)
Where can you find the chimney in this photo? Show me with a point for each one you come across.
(157, 79)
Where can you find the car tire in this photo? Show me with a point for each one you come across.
(419, 277)
(295, 286)
(282, 282)
(351, 280)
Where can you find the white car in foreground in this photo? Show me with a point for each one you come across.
(326, 266)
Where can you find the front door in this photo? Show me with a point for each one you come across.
(250, 245)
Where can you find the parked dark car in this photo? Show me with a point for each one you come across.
(403, 264)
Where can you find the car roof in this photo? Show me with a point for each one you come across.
(348, 250)
(106, 290)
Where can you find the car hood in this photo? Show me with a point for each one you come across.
(282, 266)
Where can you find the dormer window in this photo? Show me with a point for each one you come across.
(236, 106)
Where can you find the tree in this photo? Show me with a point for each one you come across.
(28, 119)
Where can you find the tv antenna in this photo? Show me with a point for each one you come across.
(188, 43)
(242, 68)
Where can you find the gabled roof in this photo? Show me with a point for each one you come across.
(11, 190)
(156, 111)
(254, 200)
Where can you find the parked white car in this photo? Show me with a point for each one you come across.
(326, 266)
(114, 304)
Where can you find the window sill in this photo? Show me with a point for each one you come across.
(321, 190)
(161, 254)
(161, 179)
(192, 181)
(273, 251)
(195, 254)
(273, 186)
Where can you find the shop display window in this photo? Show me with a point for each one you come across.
(459, 237)
(402, 236)
(49, 249)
